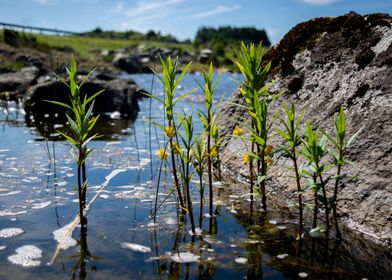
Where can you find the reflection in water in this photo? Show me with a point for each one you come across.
(110, 129)
(79, 270)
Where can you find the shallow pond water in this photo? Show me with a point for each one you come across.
(37, 198)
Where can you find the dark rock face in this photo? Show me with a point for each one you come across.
(119, 96)
(331, 62)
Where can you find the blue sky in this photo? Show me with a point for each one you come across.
(180, 18)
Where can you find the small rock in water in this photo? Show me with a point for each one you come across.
(241, 260)
(302, 274)
(26, 256)
(135, 247)
(2, 248)
(10, 232)
(185, 258)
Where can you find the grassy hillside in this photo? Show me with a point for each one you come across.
(84, 45)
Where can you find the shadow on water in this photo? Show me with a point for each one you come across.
(276, 247)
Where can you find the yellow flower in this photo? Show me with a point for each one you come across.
(246, 158)
(268, 150)
(170, 131)
(214, 152)
(269, 160)
(238, 131)
(162, 154)
(176, 149)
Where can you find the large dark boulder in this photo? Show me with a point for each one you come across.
(325, 63)
(13, 83)
(129, 64)
(119, 96)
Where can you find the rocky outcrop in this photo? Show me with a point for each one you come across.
(119, 96)
(12, 83)
(325, 63)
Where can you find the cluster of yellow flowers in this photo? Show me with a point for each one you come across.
(162, 154)
(267, 151)
(238, 131)
(170, 131)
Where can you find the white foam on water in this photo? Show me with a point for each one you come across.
(2, 248)
(26, 256)
(170, 221)
(63, 235)
(10, 232)
(41, 205)
(135, 247)
(104, 196)
(198, 232)
(282, 256)
(241, 260)
(10, 193)
(185, 257)
(303, 274)
(8, 213)
(152, 225)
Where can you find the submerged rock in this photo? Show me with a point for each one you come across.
(325, 63)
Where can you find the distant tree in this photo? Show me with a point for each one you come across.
(228, 34)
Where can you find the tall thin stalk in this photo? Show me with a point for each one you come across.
(207, 121)
(292, 137)
(314, 151)
(340, 144)
(171, 81)
(257, 98)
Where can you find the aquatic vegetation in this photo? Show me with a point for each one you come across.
(210, 129)
(314, 151)
(258, 99)
(171, 82)
(291, 135)
(81, 123)
(340, 144)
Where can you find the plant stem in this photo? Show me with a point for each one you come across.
(81, 216)
(335, 201)
(211, 195)
(300, 230)
(326, 204)
(315, 210)
(176, 181)
(84, 181)
(188, 195)
(201, 198)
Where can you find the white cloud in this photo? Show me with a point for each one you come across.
(319, 2)
(217, 10)
(46, 2)
(147, 7)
